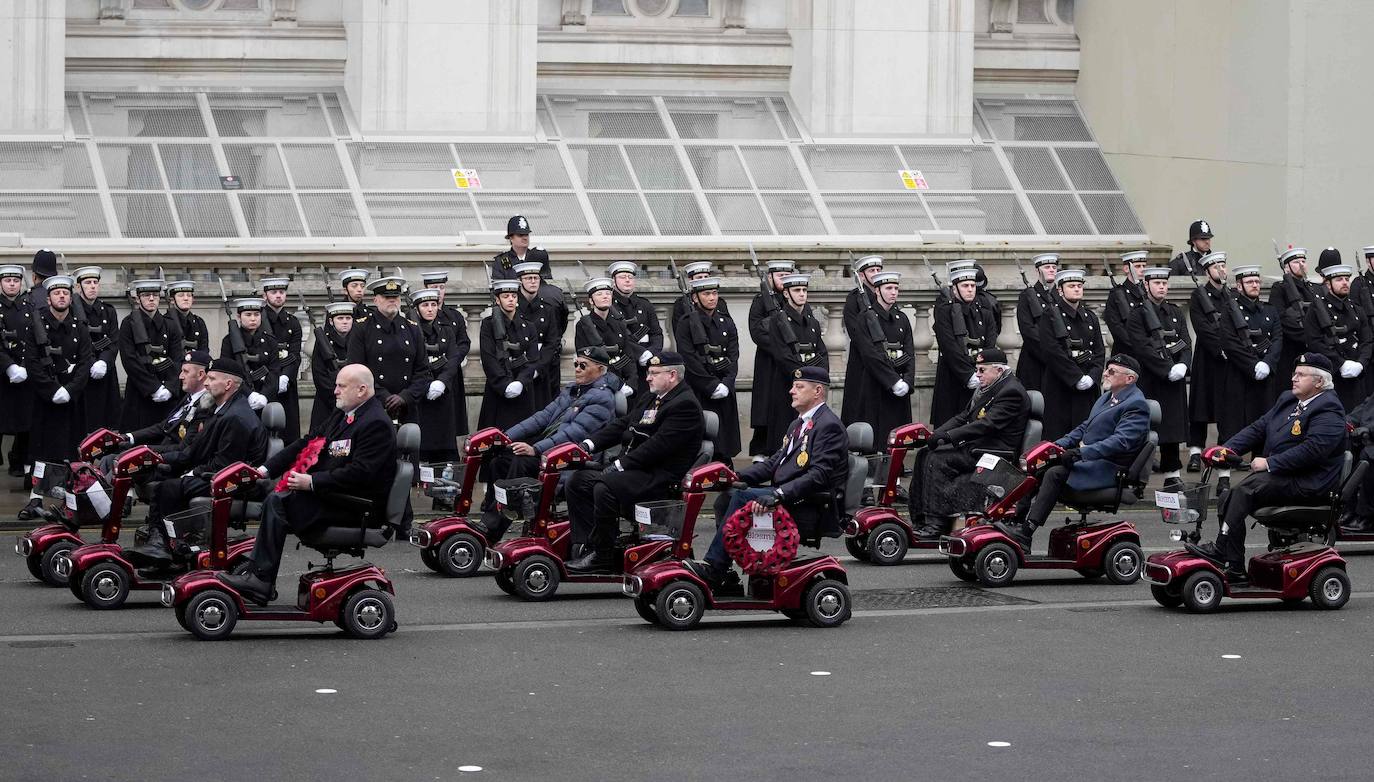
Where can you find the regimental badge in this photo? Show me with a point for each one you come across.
(802, 459)
(797, 374)
(982, 412)
(1297, 428)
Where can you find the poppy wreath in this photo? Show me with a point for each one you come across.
(304, 461)
(761, 563)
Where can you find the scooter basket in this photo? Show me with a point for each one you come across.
(188, 530)
(518, 498)
(877, 468)
(50, 475)
(660, 519)
(999, 478)
(1187, 506)
(442, 480)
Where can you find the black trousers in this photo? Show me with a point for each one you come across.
(282, 512)
(504, 464)
(1197, 434)
(597, 500)
(1258, 490)
(1168, 457)
(1052, 482)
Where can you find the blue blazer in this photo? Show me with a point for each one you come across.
(1307, 448)
(1109, 439)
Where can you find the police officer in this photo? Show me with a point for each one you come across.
(638, 314)
(708, 341)
(881, 370)
(696, 270)
(100, 402)
(767, 378)
(259, 356)
(963, 329)
(1075, 356)
(601, 327)
(544, 308)
(354, 284)
(518, 234)
(1208, 306)
(1291, 296)
(16, 396)
(195, 334)
(330, 354)
(59, 369)
(44, 266)
(453, 317)
(286, 330)
(1158, 334)
(509, 347)
(1123, 299)
(1339, 330)
(393, 348)
(149, 348)
(1362, 287)
(808, 351)
(1199, 244)
(1030, 308)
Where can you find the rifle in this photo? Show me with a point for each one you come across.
(1209, 310)
(301, 307)
(40, 340)
(693, 322)
(514, 351)
(328, 289)
(958, 318)
(155, 356)
(237, 345)
(78, 307)
(1290, 284)
(1033, 302)
(940, 288)
(876, 334)
(773, 312)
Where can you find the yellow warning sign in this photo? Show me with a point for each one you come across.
(466, 179)
(913, 180)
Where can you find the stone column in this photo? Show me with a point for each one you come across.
(32, 77)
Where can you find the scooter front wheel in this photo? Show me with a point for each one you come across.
(1202, 592)
(105, 586)
(679, 605)
(1123, 562)
(995, 565)
(827, 603)
(535, 578)
(460, 555)
(887, 544)
(211, 615)
(368, 614)
(1330, 588)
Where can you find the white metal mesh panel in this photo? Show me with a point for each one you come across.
(794, 213)
(1111, 213)
(1035, 168)
(601, 167)
(421, 214)
(586, 116)
(958, 168)
(403, 166)
(745, 117)
(854, 167)
(336, 114)
(314, 166)
(258, 166)
(548, 213)
(129, 166)
(789, 126)
(270, 215)
(677, 214)
(146, 114)
(44, 166)
(331, 214)
(877, 213)
(53, 215)
(620, 214)
(1034, 120)
(738, 213)
(717, 167)
(1086, 168)
(978, 213)
(75, 115)
(657, 167)
(144, 215)
(205, 215)
(772, 168)
(515, 166)
(1059, 213)
(189, 166)
(267, 114)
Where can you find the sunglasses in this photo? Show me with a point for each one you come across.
(580, 365)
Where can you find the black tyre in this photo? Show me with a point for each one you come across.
(827, 603)
(35, 565)
(460, 555)
(962, 569)
(368, 614)
(211, 615)
(180, 611)
(995, 565)
(1123, 562)
(535, 578)
(857, 548)
(1330, 588)
(503, 580)
(679, 605)
(644, 606)
(48, 564)
(795, 614)
(1202, 592)
(887, 544)
(105, 586)
(430, 559)
(1165, 596)
(1089, 573)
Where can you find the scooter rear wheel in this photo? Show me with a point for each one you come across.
(105, 586)
(460, 555)
(535, 578)
(887, 544)
(645, 608)
(679, 605)
(48, 564)
(1165, 597)
(211, 615)
(995, 565)
(857, 548)
(1202, 592)
(962, 569)
(368, 614)
(827, 603)
(1330, 588)
(1123, 562)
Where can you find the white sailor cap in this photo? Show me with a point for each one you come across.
(424, 294)
(248, 305)
(781, 266)
(504, 286)
(1241, 272)
(275, 283)
(705, 284)
(597, 284)
(1211, 258)
(622, 267)
(887, 278)
(697, 267)
(1135, 255)
(339, 308)
(352, 275)
(963, 263)
(1337, 270)
(527, 267)
(1156, 273)
(1367, 250)
(1066, 276)
(796, 281)
(58, 281)
(433, 278)
(87, 272)
(12, 270)
(1044, 259)
(962, 275)
(139, 287)
(387, 286)
(866, 261)
(181, 286)
(1291, 253)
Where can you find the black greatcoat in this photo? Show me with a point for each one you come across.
(682, 304)
(57, 429)
(1158, 354)
(1121, 302)
(766, 376)
(1291, 298)
(1080, 353)
(609, 332)
(147, 367)
(453, 317)
(1247, 398)
(502, 265)
(502, 366)
(955, 365)
(16, 348)
(1030, 363)
(1350, 338)
(778, 412)
(328, 357)
(546, 313)
(100, 401)
(195, 334)
(261, 359)
(438, 430)
(641, 322)
(286, 329)
(710, 365)
(872, 370)
(1209, 365)
(394, 350)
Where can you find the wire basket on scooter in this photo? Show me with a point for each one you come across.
(1186, 506)
(442, 481)
(518, 498)
(998, 475)
(660, 519)
(188, 530)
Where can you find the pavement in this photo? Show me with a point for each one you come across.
(1055, 677)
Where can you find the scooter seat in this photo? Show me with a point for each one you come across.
(1094, 499)
(1294, 517)
(344, 537)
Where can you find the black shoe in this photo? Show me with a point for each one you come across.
(713, 575)
(250, 586)
(935, 528)
(1173, 483)
(594, 562)
(1357, 526)
(31, 511)
(1223, 486)
(1195, 463)
(16, 470)
(1206, 551)
(1235, 574)
(154, 553)
(1020, 533)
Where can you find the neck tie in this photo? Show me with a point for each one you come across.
(180, 412)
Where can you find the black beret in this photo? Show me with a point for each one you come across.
(990, 356)
(595, 353)
(1315, 360)
(1123, 360)
(666, 358)
(812, 375)
(227, 366)
(201, 357)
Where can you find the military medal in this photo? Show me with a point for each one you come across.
(802, 459)
(1297, 428)
(982, 412)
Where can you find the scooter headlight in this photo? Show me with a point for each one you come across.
(1175, 534)
(169, 595)
(62, 564)
(23, 547)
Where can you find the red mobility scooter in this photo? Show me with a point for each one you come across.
(357, 599)
(1300, 563)
(449, 545)
(882, 533)
(981, 552)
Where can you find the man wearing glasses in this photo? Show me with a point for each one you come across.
(1095, 450)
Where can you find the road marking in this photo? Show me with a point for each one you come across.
(1230, 657)
(999, 743)
(326, 691)
(820, 673)
(469, 769)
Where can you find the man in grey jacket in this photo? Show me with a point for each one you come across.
(583, 407)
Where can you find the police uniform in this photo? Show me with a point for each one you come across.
(809, 351)
(502, 265)
(100, 401)
(151, 366)
(963, 329)
(640, 319)
(712, 363)
(607, 330)
(195, 334)
(1291, 297)
(260, 357)
(1159, 338)
(768, 379)
(1344, 336)
(877, 369)
(1122, 300)
(329, 355)
(394, 349)
(438, 429)
(1030, 308)
(286, 330)
(1072, 341)
(16, 397)
(1249, 390)
(1187, 262)
(547, 313)
(509, 348)
(1208, 307)
(453, 318)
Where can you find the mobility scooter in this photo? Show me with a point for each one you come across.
(981, 552)
(357, 599)
(449, 545)
(1295, 567)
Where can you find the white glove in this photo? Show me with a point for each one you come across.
(588, 446)
(721, 391)
(282, 383)
(1176, 372)
(464, 362)
(973, 380)
(257, 401)
(626, 391)
(262, 470)
(900, 388)
(1084, 383)
(436, 390)
(1351, 369)
(1261, 370)
(17, 374)
(130, 437)
(98, 369)
(514, 389)
(161, 394)
(61, 397)
(644, 340)
(616, 463)
(645, 356)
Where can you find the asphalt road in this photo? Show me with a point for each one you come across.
(1079, 679)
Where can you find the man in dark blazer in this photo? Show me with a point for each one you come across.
(661, 436)
(813, 459)
(1301, 442)
(1110, 438)
(994, 421)
(357, 456)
